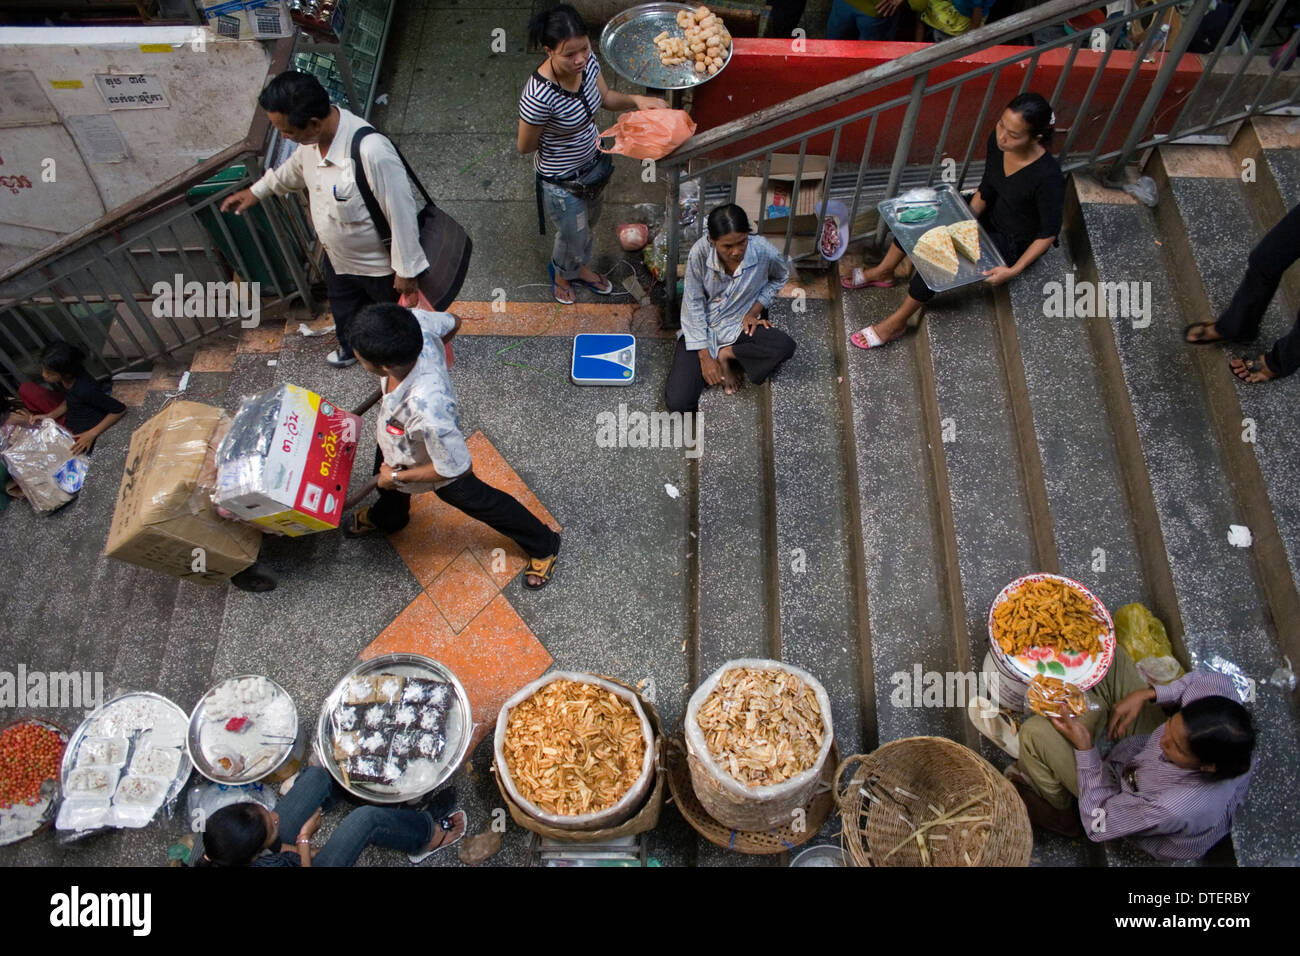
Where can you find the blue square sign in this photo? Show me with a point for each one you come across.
(603, 359)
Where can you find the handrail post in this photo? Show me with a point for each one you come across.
(1115, 174)
(904, 146)
(672, 224)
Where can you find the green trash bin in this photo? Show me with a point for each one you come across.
(272, 272)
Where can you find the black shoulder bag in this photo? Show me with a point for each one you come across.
(445, 242)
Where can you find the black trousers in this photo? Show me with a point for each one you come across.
(349, 294)
(784, 18)
(759, 355)
(496, 509)
(1011, 251)
(1264, 267)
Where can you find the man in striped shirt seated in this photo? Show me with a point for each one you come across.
(1172, 786)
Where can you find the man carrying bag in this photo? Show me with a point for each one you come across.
(379, 243)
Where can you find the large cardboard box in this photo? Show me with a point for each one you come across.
(781, 201)
(287, 461)
(161, 517)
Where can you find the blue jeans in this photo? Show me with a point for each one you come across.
(572, 219)
(407, 830)
(848, 23)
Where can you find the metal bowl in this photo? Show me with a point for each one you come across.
(49, 793)
(193, 743)
(627, 46)
(458, 731)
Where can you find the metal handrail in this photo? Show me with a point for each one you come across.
(111, 278)
(851, 87)
(915, 71)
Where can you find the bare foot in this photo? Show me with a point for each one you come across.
(1251, 371)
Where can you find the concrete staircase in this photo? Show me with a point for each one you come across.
(1000, 439)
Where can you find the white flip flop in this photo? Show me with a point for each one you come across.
(994, 724)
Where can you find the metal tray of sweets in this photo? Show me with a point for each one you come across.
(270, 753)
(136, 716)
(948, 208)
(458, 730)
(627, 45)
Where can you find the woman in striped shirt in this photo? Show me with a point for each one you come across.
(556, 121)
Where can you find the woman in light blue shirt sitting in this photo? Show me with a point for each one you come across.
(731, 280)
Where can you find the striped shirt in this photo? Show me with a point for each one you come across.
(1171, 812)
(714, 304)
(569, 134)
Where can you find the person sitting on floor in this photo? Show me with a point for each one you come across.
(1020, 202)
(1172, 786)
(731, 280)
(74, 401)
(1240, 321)
(420, 444)
(248, 834)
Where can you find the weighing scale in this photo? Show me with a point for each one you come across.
(600, 359)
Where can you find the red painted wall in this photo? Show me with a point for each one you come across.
(763, 73)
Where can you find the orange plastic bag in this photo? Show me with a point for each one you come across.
(650, 134)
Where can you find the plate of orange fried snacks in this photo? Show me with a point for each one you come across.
(1054, 626)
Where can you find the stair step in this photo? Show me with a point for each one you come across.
(990, 504)
(193, 632)
(733, 618)
(905, 562)
(1219, 600)
(1091, 523)
(816, 575)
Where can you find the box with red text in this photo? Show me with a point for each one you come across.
(286, 463)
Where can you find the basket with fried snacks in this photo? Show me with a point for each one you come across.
(1053, 697)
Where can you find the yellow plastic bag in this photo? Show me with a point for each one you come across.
(1140, 633)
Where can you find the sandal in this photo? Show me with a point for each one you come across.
(359, 524)
(1197, 329)
(556, 291)
(447, 824)
(607, 290)
(859, 281)
(867, 338)
(542, 568)
(1251, 371)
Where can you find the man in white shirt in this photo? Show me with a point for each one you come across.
(359, 267)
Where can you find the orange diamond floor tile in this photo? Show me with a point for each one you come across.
(462, 619)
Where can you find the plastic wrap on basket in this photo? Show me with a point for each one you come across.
(39, 457)
(735, 804)
(622, 808)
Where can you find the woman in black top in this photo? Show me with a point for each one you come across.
(85, 409)
(1019, 203)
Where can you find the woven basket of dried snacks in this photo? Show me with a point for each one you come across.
(575, 751)
(758, 733)
(928, 801)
